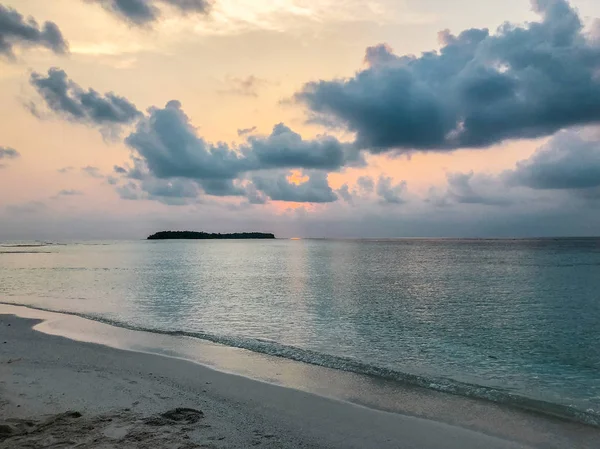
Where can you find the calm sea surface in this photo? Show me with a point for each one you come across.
(510, 320)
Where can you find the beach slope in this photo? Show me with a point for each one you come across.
(56, 392)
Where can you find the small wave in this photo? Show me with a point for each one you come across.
(272, 348)
(32, 244)
(29, 245)
(26, 252)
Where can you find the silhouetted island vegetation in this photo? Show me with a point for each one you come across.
(192, 235)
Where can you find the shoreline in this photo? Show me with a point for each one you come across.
(315, 385)
(462, 390)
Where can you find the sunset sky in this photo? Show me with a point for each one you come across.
(306, 118)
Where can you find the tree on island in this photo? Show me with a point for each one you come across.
(193, 235)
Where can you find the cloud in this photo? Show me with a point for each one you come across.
(168, 146)
(174, 192)
(144, 12)
(471, 188)
(568, 161)
(129, 191)
(245, 87)
(165, 145)
(286, 149)
(379, 55)
(278, 187)
(243, 131)
(344, 193)
(16, 30)
(478, 90)
(64, 170)
(366, 184)
(70, 192)
(93, 172)
(137, 12)
(9, 153)
(254, 195)
(67, 99)
(144, 184)
(187, 6)
(221, 187)
(391, 193)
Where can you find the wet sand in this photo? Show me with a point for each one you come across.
(57, 392)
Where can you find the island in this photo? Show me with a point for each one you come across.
(192, 235)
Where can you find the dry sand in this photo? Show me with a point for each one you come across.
(60, 393)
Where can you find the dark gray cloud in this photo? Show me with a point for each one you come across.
(568, 161)
(8, 153)
(171, 188)
(143, 12)
(221, 187)
(187, 6)
(168, 146)
(149, 186)
(389, 192)
(244, 131)
(345, 194)
(173, 192)
(64, 170)
(278, 188)
(478, 90)
(286, 149)
(16, 30)
(69, 100)
(93, 172)
(137, 12)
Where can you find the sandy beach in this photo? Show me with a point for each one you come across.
(60, 393)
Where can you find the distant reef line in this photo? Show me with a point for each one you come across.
(193, 235)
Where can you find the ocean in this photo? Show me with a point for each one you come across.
(512, 321)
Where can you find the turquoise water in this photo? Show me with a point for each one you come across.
(507, 320)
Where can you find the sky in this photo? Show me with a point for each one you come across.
(305, 118)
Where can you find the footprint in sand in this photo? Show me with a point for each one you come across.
(175, 416)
